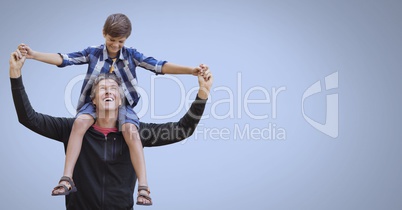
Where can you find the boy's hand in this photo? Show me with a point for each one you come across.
(196, 71)
(26, 51)
(202, 69)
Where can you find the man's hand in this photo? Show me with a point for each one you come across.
(205, 81)
(17, 60)
(26, 51)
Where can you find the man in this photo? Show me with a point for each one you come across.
(103, 174)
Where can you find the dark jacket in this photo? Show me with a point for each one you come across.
(103, 174)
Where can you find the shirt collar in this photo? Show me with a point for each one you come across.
(121, 52)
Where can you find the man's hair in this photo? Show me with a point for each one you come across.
(104, 76)
(117, 25)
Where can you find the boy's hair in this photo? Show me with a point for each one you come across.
(117, 25)
(104, 76)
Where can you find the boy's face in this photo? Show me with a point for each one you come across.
(114, 44)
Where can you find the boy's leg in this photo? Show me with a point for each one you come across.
(80, 126)
(132, 138)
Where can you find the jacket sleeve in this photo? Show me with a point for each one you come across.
(167, 133)
(56, 128)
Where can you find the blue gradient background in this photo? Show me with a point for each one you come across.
(272, 44)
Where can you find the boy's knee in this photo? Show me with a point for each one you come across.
(84, 120)
(129, 127)
(130, 130)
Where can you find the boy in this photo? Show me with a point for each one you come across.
(115, 58)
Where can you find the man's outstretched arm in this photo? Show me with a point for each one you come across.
(167, 133)
(48, 126)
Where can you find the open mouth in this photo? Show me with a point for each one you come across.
(108, 99)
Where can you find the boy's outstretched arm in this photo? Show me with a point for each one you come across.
(50, 58)
(170, 68)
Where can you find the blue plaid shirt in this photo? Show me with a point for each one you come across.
(99, 62)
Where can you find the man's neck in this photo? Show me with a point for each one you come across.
(108, 121)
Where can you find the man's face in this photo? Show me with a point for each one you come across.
(107, 96)
(114, 44)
